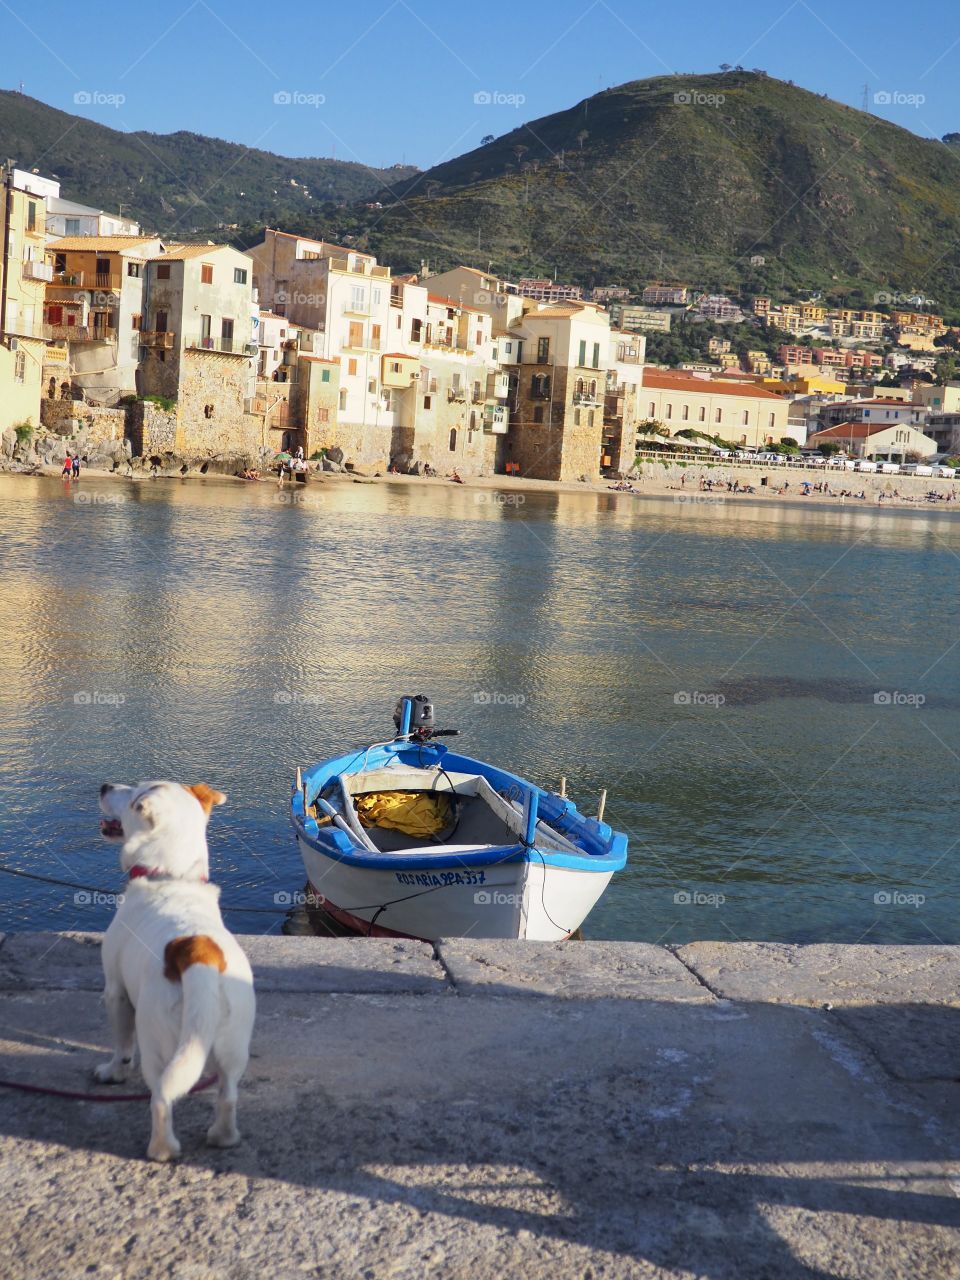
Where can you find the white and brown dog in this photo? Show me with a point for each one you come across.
(177, 983)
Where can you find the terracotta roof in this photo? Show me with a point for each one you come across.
(453, 302)
(399, 355)
(319, 360)
(858, 430)
(288, 235)
(185, 251)
(96, 244)
(654, 380)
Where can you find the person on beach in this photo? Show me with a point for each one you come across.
(67, 466)
(75, 466)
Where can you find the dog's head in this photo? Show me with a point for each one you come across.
(169, 818)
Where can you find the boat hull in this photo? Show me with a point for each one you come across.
(515, 899)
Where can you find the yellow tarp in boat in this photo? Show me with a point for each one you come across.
(415, 813)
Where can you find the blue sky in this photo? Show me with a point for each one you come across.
(384, 80)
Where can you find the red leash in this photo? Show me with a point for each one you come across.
(94, 1097)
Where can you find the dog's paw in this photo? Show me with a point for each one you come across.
(163, 1151)
(111, 1072)
(217, 1137)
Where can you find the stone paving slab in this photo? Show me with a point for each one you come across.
(913, 1042)
(351, 965)
(827, 973)
(71, 961)
(569, 970)
(388, 1138)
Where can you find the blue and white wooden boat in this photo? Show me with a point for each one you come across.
(511, 861)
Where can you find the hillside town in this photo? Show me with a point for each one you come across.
(206, 351)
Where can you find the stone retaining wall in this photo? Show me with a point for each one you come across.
(67, 417)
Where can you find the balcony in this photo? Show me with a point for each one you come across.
(495, 419)
(225, 346)
(591, 398)
(38, 271)
(498, 386)
(78, 333)
(104, 280)
(457, 394)
(162, 341)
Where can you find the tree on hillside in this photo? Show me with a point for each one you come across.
(486, 139)
(582, 136)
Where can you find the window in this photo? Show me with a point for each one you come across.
(453, 439)
(578, 387)
(31, 215)
(746, 417)
(590, 417)
(358, 297)
(718, 415)
(543, 350)
(59, 262)
(538, 413)
(582, 357)
(134, 269)
(355, 337)
(508, 348)
(702, 415)
(427, 402)
(136, 322)
(19, 367)
(416, 328)
(71, 226)
(394, 366)
(206, 273)
(669, 413)
(226, 331)
(351, 367)
(652, 410)
(103, 266)
(239, 275)
(163, 271)
(160, 324)
(772, 420)
(576, 417)
(686, 413)
(479, 337)
(343, 399)
(376, 296)
(323, 415)
(375, 337)
(325, 375)
(596, 355)
(372, 386)
(205, 331)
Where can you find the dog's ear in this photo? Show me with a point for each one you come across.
(208, 796)
(144, 808)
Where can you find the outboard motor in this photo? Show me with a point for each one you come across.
(421, 723)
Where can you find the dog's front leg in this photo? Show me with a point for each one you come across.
(120, 1012)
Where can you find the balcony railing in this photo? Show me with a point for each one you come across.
(586, 397)
(79, 333)
(457, 393)
(162, 340)
(86, 280)
(38, 271)
(227, 346)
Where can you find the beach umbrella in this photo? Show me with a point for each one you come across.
(283, 457)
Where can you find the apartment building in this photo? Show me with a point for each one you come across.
(634, 317)
(23, 277)
(94, 306)
(560, 380)
(621, 401)
(196, 344)
(609, 293)
(544, 290)
(882, 441)
(885, 409)
(742, 413)
(497, 297)
(661, 295)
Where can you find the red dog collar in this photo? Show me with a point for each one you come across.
(139, 870)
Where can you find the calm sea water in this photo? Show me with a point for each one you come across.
(770, 694)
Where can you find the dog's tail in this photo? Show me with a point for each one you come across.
(195, 961)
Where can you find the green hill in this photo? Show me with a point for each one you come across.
(176, 182)
(688, 178)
